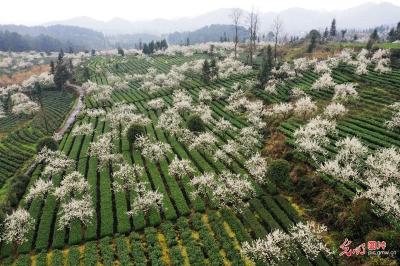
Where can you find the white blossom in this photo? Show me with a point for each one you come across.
(312, 137)
(155, 151)
(39, 189)
(348, 162)
(16, 226)
(279, 111)
(73, 185)
(270, 250)
(204, 141)
(345, 92)
(309, 236)
(257, 168)
(156, 104)
(145, 200)
(305, 107)
(80, 210)
(125, 178)
(180, 168)
(56, 162)
(334, 110)
(82, 129)
(228, 190)
(394, 122)
(323, 82)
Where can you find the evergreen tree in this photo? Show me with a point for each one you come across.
(326, 33)
(333, 28)
(392, 35)
(52, 67)
(60, 55)
(206, 72)
(151, 47)
(146, 49)
(314, 35)
(121, 51)
(62, 75)
(213, 69)
(374, 35)
(266, 66)
(373, 38)
(164, 44)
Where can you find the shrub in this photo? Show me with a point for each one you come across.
(357, 221)
(48, 142)
(134, 131)
(279, 170)
(195, 124)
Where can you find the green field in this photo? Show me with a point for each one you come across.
(187, 231)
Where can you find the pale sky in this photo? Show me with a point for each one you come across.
(39, 11)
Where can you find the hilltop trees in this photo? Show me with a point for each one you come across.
(152, 47)
(332, 31)
(394, 33)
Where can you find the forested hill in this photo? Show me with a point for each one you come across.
(51, 38)
(212, 33)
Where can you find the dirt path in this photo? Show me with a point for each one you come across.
(69, 120)
(72, 116)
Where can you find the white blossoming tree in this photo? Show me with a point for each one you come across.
(22, 105)
(145, 199)
(76, 209)
(156, 104)
(345, 92)
(394, 122)
(82, 129)
(126, 177)
(226, 190)
(324, 82)
(16, 227)
(152, 150)
(279, 247)
(55, 162)
(39, 190)
(103, 149)
(180, 168)
(257, 168)
(348, 161)
(312, 137)
(304, 107)
(334, 110)
(73, 185)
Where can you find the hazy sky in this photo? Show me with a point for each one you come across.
(39, 11)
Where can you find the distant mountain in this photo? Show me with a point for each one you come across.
(296, 20)
(212, 33)
(76, 37)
